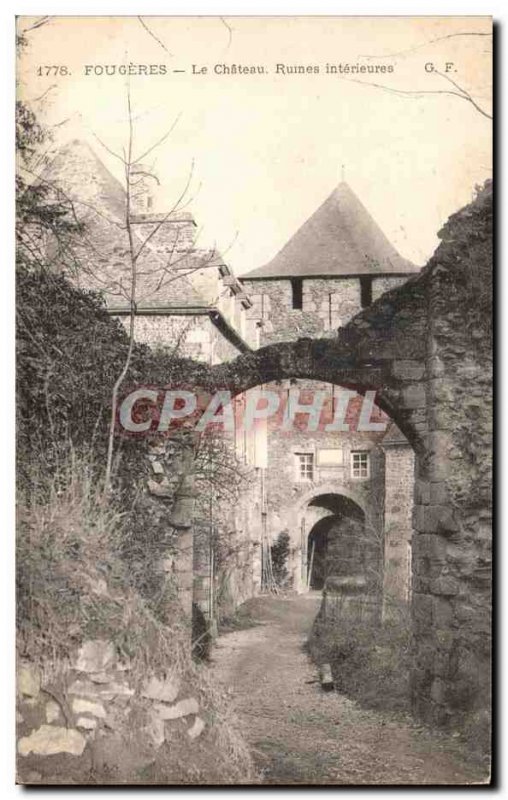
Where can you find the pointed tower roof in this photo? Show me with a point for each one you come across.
(339, 239)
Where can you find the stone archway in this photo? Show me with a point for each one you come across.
(415, 348)
(343, 548)
(316, 511)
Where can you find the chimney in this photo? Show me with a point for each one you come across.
(143, 186)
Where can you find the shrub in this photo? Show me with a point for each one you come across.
(280, 553)
(370, 662)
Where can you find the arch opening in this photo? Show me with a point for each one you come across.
(343, 548)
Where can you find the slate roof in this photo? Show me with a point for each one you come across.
(394, 436)
(99, 201)
(340, 238)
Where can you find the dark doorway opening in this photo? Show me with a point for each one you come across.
(316, 554)
(341, 546)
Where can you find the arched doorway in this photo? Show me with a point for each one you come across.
(344, 545)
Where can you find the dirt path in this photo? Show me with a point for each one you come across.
(299, 734)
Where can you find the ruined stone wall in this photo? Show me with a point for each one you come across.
(452, 554)
(426, 347)
(99, 721)
(398, 503)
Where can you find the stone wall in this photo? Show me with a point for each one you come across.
(332, 300)
(426, 348)
(272, 306)
(98, 722)
(288, 496)
(398, 514)
(327, 304)
(452, 553)
(185, 335)
(384, 284)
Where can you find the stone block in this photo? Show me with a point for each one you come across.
(100, 677)
(422, 492)
(445, 585)
(442, 612)
(29, 681)
(434, 519)
(441, 519)
(439, 493)
(82, 706)
(155, 731)
(88, 723)
(408, 369)
(164, 690)
(103, 691)
(418, 518)
(422, 607)
(49, 740)
(52, 711)
(95, 656)
(196, 729)
(182, 709)
(413, 396)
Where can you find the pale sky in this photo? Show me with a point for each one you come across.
(268, 149)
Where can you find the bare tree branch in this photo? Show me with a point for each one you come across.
(152, 34)
(166, 216)
(465, 94)
(415, 93)
(159, 142)
(132, 316)
(37, 24)
(426, 44)
(111, 152)
(230, 32)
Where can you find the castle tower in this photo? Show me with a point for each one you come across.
(344, 498)
(338, 262)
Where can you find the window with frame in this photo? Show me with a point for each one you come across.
(360, 464)
(305, 466)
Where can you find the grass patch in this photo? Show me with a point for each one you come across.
(370, 662)
(73, 584)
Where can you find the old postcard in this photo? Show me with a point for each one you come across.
(254, 348)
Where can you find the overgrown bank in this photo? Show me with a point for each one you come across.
(108, 691)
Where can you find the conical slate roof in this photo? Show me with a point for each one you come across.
(340, 238)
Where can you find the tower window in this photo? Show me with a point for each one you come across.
(297, 293)
(366, 291)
